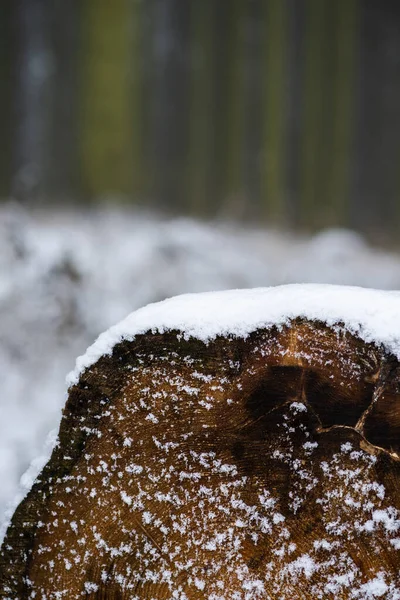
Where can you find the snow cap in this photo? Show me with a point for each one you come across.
(373, 315)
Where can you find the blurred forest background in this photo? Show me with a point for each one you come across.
(156, 147)
(284, 111)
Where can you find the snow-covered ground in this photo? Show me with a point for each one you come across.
(65, 277)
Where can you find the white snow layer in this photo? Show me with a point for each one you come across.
(373, 315)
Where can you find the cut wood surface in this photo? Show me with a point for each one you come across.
(258, 467)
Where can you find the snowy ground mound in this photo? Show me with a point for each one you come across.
(66, 277)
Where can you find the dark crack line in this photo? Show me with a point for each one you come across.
(370, 448)
(383, 376)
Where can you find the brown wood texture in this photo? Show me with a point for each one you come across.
(257, 468)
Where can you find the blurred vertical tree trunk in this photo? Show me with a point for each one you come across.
(253, 105)
(62, 175)
(316, 36)
(324, 125)
(7, 50)
(295, 107)
(198, 184)
(330, 43)
(169, 100)
(369, 136)
(106, 118)
(376, 176)
(342, 116)
(139, 116)
(34, 63)
(275, 75)
(388, 148)
(228, 119)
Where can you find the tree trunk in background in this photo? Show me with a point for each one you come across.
(339, 160)
(34, 64)
(106, 101)
(62, 183)
(327, 111)
(275, 76)
(7, 74)
(313, 115)
(269, 464)
(198, 187)
(139, 85)
(376, 182)
(253, 106)
(295, 108)
(169, 99)
(228, 105)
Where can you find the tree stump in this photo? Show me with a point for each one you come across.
(262, 467)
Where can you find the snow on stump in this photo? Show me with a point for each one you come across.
(236, 445)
